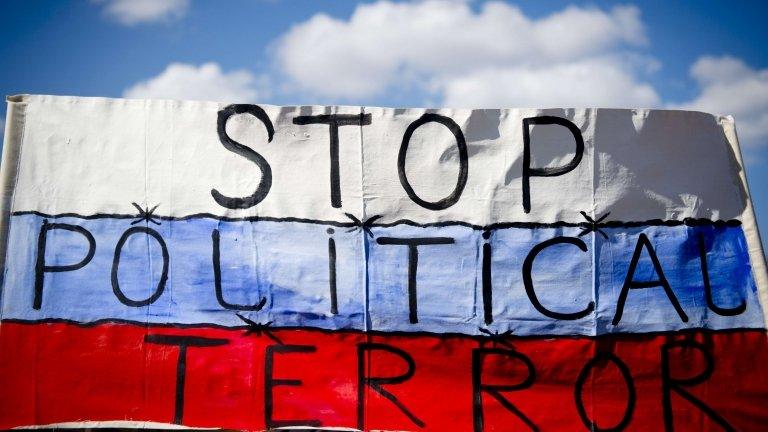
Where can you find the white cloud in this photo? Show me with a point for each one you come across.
(580, 83)
(729, 86)
(204, 82)
(494, 56)
(471, 58)
(132, 12)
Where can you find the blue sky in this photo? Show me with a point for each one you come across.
(684, 54)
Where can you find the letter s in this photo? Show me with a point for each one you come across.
(235, 147)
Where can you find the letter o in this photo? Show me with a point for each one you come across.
(461, 143)
(116, 265)
(626, 375)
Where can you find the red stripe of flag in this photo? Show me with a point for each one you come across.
(56, 372)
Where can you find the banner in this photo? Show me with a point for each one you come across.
(256, 267)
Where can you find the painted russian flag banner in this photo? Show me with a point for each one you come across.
(256, 267)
